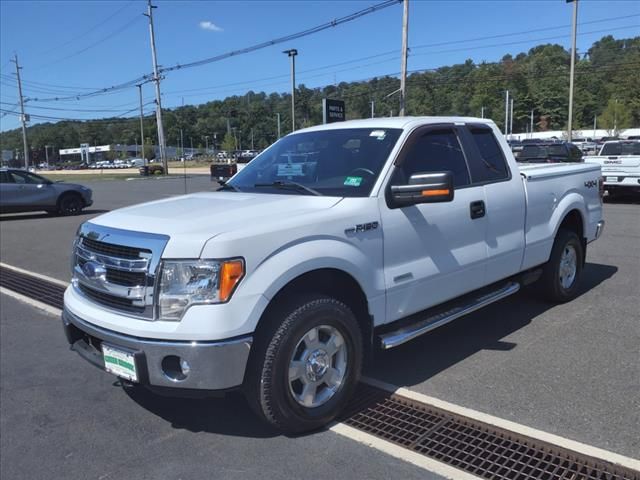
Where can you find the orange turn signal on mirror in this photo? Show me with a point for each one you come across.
(230, 275)
(433, 193)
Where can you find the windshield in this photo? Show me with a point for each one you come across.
(621, 148)
(342, 162)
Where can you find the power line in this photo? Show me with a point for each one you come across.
(502, 35)
(287, 38)
(523, 41)
(109, 36)
(102, 22)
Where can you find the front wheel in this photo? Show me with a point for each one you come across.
(304, 373)
(70, 204)
(561, 274)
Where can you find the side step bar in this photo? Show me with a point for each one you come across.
(409, 332)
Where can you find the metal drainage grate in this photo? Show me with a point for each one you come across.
(32, 287)
(469, 445)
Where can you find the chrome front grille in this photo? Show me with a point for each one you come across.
(117, 268)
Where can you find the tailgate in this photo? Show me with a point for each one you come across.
(616, 163)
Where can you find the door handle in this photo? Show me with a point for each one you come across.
(477, 209)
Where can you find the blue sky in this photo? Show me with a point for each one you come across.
(73, 46)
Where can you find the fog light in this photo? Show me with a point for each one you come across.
(185, 367)
(175, 368)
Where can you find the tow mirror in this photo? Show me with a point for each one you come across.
(424, 188)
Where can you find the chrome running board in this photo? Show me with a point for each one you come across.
(421, 326)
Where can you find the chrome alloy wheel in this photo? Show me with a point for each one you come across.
(568, 266)
(318, 366)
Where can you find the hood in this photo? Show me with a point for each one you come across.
(191, 220)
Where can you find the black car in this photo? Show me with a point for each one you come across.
(549, 152)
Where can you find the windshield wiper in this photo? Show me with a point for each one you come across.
(227, 186)
(293, 185)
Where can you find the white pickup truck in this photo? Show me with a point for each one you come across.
(620, 162)
(336, 241)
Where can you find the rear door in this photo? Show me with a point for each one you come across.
(435, 251)
(505, 201)
(32, 190)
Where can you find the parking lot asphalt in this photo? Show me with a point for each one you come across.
(61, 417)
(572, 369)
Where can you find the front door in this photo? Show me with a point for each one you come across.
(433, 252)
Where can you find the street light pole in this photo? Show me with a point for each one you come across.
(292, 54)
(573, 64)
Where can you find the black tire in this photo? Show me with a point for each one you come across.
(550, 283)
(267, 385)
(70, 204)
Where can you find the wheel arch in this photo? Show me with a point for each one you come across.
(332, 282)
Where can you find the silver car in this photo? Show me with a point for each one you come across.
(22, 191)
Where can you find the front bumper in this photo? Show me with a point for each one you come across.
(218, 365)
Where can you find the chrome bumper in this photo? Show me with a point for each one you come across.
(218, 365)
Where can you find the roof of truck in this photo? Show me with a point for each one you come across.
(395, 122)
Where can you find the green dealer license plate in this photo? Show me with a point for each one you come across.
(119, 363)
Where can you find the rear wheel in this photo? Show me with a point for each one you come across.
(70, 204)
(304, 372)
(561, 274)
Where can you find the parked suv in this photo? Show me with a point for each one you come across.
(550, 152)
(22, 191)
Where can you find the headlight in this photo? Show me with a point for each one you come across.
(192, 282)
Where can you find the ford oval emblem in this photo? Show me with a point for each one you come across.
(94, 271)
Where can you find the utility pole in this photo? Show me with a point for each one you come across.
(156, 79)
(206, 147)
(482, 112)
(278, 115)
(182, 155)
(141, 124)
(506, 114)
(595, 125)
(511, 120)
(532, 123)
(23, 117)
(252, 139)
(46, 154)
(292, 54)
(373, 108)
(573, 64)
(403, 73)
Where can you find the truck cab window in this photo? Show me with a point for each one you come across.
(436, 151)
(492, 166)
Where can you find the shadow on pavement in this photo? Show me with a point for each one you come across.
(228, 415)
(410, 364)
(434, 352)
(8, 217)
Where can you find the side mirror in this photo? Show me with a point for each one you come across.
(423, 188)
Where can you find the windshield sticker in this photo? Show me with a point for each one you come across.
(379, 134)
(353, 181)
(290, 170)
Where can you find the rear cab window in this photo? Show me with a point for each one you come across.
(489, 163)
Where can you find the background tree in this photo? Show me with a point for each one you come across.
(615, 117)
(228, 143)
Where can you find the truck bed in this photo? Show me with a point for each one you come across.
(552, 190)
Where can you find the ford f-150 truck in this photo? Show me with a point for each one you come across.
(620, 162)
(335, 242)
